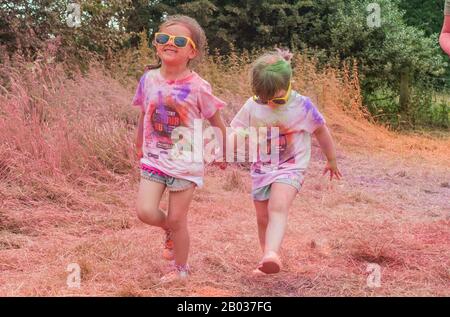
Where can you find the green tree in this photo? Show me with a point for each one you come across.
(26, 25)
(390, 55)
(250, 24)
(426, 15)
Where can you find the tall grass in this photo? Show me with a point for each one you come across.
(58, 127)
(56, 130)
(68, 175)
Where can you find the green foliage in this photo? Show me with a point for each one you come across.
(426, 15)
(385, 53)
(335, 31)
(26, 27)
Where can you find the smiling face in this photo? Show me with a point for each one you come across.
(171, 54)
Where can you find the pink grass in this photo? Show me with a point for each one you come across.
(68, 182)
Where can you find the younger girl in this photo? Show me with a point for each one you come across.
(445, 34)
(172, 96)
(275, 184)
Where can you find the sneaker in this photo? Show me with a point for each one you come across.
(258, 273)
(168, 253)
(270, 263)
(180, 273)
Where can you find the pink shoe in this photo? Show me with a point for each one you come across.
(180, 273)
(258, 273)
(270, 263)
(168, 253)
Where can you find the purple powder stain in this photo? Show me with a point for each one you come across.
(142, 84)
(162, 109)
(183, 92)
(138, 98)
(317, 117)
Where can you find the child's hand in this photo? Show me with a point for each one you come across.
(139, 152)
(221, 165)
(333, 169)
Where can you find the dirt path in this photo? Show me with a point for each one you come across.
(388, 211)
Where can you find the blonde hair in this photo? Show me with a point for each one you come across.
(197, 34)
(271, 73)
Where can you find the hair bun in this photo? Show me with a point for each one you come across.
(285, 53)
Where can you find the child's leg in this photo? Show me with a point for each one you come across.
(179, 202)
(281, 197)
(262, 219)
(149, 197)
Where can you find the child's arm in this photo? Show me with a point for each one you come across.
(140, 136)
(444, 39)
(216, 121)
(325, 140)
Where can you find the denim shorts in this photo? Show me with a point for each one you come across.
(263, 193)
(173, 184)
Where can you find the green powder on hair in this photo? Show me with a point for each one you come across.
(270, 74)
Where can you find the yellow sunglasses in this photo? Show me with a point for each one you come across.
(276, 101)
(178, 41)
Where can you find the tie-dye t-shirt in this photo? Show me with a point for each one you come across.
(296, 121)
(171, 104)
